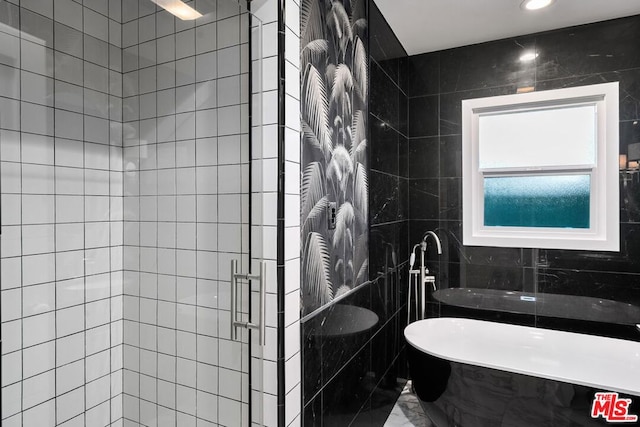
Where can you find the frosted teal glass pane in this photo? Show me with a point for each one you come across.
(559, 201)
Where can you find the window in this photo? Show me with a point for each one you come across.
(540, 169)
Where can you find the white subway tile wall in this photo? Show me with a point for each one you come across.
(62, 213)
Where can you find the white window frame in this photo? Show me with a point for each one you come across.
(603, 233)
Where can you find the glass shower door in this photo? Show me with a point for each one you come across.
(126, 193)
(191, 344)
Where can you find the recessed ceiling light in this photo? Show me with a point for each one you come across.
(536, 4)
(179, 9)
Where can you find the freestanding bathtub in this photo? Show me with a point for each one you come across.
(478, 373)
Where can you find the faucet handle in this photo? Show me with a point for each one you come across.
(432, 280)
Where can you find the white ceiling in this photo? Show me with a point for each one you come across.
(430, 25)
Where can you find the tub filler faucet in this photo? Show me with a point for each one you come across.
(425, 278)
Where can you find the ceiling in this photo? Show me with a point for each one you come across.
(430, 25)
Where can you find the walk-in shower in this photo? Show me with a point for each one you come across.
(126, 157)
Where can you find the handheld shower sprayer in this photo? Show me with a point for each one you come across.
(412, 258)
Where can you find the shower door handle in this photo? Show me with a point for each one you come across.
(235, 322)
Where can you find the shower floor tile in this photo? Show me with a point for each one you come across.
(407, 411)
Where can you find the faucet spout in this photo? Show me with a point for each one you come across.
(435, 237)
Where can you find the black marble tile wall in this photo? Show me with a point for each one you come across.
(389, 214)
(389, 190)
(437, 82)
(353, 355)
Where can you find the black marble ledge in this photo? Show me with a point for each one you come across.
(486, 65)
(589, 49)
(488, 315)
